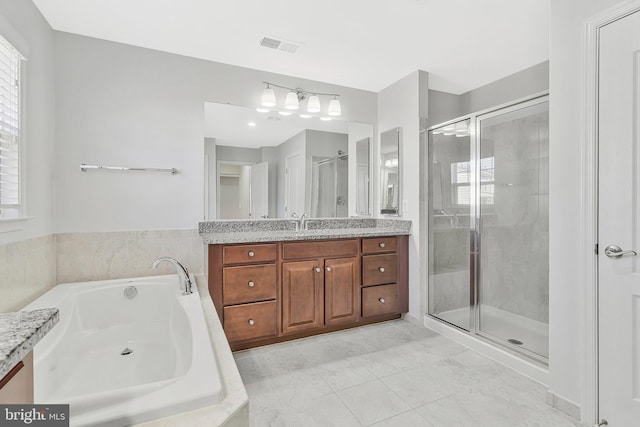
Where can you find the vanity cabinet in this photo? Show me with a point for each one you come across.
(271, 292)
(16, 387)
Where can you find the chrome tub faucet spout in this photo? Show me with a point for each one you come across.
(185, 282)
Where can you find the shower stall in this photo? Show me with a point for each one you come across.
(330, 186)
(488, 216)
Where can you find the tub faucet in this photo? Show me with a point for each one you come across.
(183, 274)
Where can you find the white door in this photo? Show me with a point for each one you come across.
(619, 222)
(294, 186)
(259, 191)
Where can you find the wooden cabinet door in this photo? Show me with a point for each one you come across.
(341, 291)
(302, 296)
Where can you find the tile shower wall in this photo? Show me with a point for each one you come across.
(115, 255)
(515, 230)
(28, 270)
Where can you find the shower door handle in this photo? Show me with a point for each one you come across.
(613, 251)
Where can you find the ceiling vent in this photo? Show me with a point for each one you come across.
(280, 45)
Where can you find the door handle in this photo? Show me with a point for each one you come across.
(613, 251)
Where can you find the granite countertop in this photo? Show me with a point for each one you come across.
(20, 332)
(224, 232)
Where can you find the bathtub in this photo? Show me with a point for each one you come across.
(125, 352)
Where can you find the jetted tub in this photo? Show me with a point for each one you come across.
(125, 351)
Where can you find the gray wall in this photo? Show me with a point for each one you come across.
(445, 106)
(27, 249)
(23, 26)
(238, 154)
(130, 106)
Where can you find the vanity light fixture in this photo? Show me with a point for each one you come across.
(449, 130)
(295, 96)
(268, 97)
(334, 107)
(461, 129)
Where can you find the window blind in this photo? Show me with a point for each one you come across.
(10, 194)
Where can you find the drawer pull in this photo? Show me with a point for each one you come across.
(318, 269)
(328, 268)
(381, 300)
(381, 269)
(382, 245)
(252, 322)
(251, 253)
(251, 284)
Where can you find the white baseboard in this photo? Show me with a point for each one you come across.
(563, 405)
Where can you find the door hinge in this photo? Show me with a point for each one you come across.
(596, 250)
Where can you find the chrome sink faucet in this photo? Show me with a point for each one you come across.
(302, 222)
(185, 282)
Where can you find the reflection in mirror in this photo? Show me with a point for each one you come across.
(363, 148)
(266, 165)
(390, 171)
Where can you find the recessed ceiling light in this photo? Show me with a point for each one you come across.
(305, 116)
(252, 124)
(262, 110)
(326, 119)
(284, 113)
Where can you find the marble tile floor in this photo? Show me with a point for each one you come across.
(388, 374)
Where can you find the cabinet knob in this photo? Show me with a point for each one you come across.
(251, 284)
(381, 300)
(382, 245)
(318, 269)
(381, 269)
(328, 268)
(251, 253)
(252, 322)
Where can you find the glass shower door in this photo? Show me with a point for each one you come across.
(451, 201)
(513, 202)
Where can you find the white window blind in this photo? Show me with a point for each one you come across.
(10, 132)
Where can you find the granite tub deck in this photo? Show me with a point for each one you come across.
(276, 230)
(20, 332)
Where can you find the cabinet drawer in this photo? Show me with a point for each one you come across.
(321, 249)
(248, 253)
(379, 300)
(379, 269)
(250, 321)
(379, 244)
(248, 283)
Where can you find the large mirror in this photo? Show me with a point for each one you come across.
(390, 168)
(266, 165)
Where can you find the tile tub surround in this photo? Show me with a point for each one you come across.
(28, 270)
(115, 255)
(239, 231)
(388, 374)
(20, 332)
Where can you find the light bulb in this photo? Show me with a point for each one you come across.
(262, 110)
(313, 104)
(252, 124)
(305, 116)
(325, 119)
(285, 113)
(268, 97)
(334, 107)
(291, 101)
